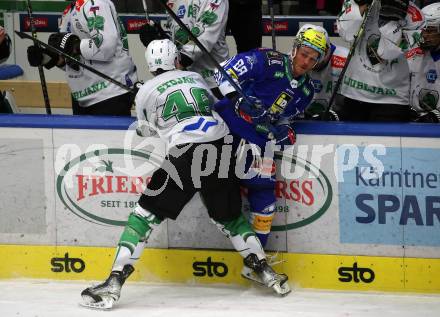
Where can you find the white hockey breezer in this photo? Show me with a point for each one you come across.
(260, 272)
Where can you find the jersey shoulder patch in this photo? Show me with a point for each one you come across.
(274, 58)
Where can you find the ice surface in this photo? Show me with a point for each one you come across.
(49, 298)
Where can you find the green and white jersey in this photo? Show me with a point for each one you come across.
(176, 105)
(425, 83)
(207, 20)
(378, 71)
(325, 79)
(104, 46)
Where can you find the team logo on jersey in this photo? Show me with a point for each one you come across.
(317, 85)
(431, 76)
(181, 11)
(280, 103)
(428, 99)
(251, 60)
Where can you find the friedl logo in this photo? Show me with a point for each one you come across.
(308, 188)
(98, 187)
(356, 274)
(210, 268)
(67, 264)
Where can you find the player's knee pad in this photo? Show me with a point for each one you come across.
(138, 227)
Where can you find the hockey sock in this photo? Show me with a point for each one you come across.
(262, 222)
(242, 236)
(135, 235)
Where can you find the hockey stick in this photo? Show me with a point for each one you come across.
(144, 4)
(204, 50)
(72, 59)
(40, 67)
(272, 22)
(357, 38)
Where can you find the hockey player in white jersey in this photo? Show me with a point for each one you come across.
(206, 19)
(176, 105)
(92, 32)
(376, 84)
(5, 45)
(425, 69)
(324, 76)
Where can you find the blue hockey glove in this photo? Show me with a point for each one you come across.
(284, 135)
(252, 111)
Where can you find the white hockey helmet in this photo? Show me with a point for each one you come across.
(432, 14)
(161, 54)
(431, 33)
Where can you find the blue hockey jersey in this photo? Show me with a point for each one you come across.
(267, 75)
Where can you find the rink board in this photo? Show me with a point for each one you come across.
(338, 272)
(70, 184)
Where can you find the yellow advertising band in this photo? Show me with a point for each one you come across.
(338, 272)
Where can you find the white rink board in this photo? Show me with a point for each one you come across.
(87, 203)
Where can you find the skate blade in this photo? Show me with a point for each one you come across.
(281, 289)
(253, 278)
(105, 304)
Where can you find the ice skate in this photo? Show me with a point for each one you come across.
(259, 271)
(104, 295)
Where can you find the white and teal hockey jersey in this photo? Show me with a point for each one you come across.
(425, 82)
(378, 71)
(325, 79)
(207, 20)
(104, 46)
(176, 105)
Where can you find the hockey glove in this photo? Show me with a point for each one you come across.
(252, 111)
(362, 2)
(331, 116)
(69, 44)
(151, 31)
(41, 57)
(284, 135)
(393, 10)
(432, 116)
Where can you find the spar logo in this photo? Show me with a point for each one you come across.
(101, 187)
(305, 197)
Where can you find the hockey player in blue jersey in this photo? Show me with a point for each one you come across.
(278, 88)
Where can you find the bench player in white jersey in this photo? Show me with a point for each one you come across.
(425, 69)
(207, 21)
(176, 105)
(376, 84)
(91, 31)
(324, 76)
(5, 45)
